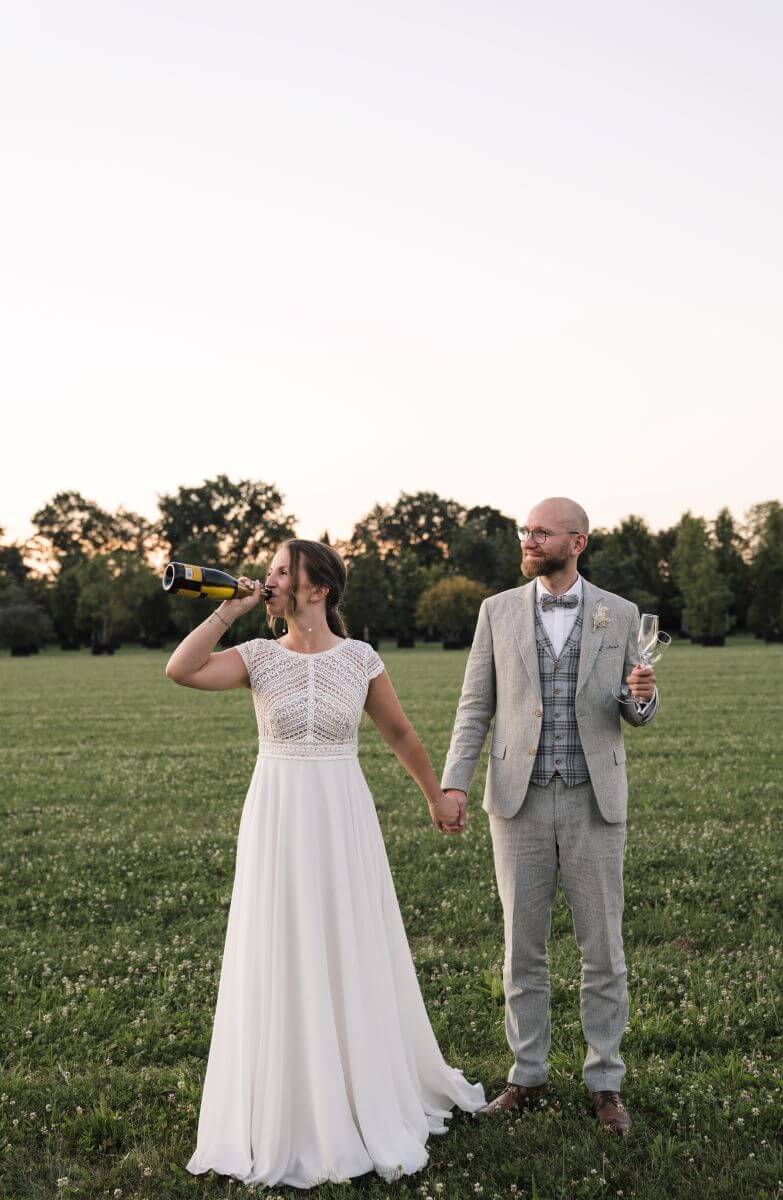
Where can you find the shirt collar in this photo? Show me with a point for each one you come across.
(575, 589)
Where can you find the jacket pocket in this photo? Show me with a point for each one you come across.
(498, 749)
(619, 755)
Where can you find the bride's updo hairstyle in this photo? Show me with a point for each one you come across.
(324, 567)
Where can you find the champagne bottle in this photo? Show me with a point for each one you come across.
(198, 583)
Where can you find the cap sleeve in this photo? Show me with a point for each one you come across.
(250, 652)
(375, 664)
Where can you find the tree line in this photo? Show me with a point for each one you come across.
(417, 569)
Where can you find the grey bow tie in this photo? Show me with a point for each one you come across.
(548, 601)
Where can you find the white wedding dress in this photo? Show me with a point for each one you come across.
(322, 1064)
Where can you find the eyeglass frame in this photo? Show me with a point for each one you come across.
(546, 532)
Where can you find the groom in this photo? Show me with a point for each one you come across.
(544, 660)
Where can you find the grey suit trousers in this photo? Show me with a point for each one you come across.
(561, 829)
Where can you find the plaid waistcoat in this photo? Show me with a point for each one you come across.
(559, 749)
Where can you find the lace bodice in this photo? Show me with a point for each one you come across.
(309, 705)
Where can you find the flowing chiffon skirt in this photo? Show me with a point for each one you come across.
(322, 1063)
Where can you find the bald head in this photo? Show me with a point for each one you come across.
(560, 513)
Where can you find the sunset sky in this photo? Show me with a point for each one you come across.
(498, 251)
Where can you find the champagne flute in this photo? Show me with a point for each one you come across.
(648, 638)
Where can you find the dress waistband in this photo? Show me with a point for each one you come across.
(294, 749)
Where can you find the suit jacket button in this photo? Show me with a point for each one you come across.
(531, 751)
(539, 712)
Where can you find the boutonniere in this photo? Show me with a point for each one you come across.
(600, 617)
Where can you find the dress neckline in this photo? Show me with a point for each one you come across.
(310, 653)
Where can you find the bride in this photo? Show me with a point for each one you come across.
(322, 1063)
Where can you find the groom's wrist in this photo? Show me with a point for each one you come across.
(644, 706)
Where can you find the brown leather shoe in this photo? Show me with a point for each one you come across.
(516, 1096)
(611, 1112)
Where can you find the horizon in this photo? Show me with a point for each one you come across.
(335, 537)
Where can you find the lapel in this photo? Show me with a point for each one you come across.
(524, 619)
(591, 638)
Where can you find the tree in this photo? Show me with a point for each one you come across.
(594, 543)
(104, 608)
(150, 608)
(422, 522)
(705, 593)
(70, 529)
(366, 598)
(408, 581)
(627, 563)
(63, 603)
(431, 576)
(765, 614)
(366, 536)
(671, 601)
(452, 605)
(221, 522)
(13, 568)
(24, 625)
(486, 548)
(730, 550)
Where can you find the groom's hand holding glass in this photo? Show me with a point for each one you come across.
(641, 681)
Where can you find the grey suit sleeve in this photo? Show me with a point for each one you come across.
(475, 709)
(647, 707)
(636, 714)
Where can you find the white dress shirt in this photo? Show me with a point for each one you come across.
(558, 623)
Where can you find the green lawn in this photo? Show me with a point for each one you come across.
(121, 799)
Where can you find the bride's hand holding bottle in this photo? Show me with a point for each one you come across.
(231, 609)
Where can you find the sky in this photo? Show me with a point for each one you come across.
(499, 251)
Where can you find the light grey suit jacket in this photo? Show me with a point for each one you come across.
(501, 680)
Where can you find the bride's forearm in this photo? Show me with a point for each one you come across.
(414, 758)
(194, 649)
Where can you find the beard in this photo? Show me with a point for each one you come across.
(545, 565)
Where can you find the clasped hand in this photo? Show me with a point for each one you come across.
(449, 811)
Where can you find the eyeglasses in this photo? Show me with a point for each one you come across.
(539, 536)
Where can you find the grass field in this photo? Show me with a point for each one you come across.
(121, 796)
